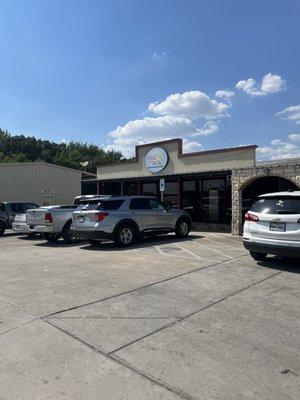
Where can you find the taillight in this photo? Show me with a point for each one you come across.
(251, 217)
(48, 218)
(100, 216)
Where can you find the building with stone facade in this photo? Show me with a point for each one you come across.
(216, 187)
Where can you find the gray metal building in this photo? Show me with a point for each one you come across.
(40, 183)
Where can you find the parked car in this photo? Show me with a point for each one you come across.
(55, 221)
(20, 225)
(8, 211)
(125, 218)
(272, 226)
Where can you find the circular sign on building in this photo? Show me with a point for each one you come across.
(156, 159)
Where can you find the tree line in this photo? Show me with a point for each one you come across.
(19, 148)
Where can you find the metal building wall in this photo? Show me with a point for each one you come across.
(26, 181)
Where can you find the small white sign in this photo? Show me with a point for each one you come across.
(47, 194)
(156, 159)
(162, 185)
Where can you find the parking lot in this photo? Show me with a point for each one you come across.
(165, 319)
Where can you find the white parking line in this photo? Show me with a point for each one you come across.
(226, 238)
(224, 244)
(193, 254)
(211, 249)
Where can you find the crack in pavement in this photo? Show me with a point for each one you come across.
(145, 286)
(111, 355)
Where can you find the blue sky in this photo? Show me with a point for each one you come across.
(121, 72)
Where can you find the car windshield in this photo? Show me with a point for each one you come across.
(100, 205)
(277, 205)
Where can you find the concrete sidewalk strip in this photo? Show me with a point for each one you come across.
(12, 316)
(114, 323)
(39, 362)
(244, 347)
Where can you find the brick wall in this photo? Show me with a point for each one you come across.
(243, 176)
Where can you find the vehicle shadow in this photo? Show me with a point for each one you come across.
(59, 244)
(282, 264)
(142, 243)
(30, 238)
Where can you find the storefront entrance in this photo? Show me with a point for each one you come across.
(206, 198)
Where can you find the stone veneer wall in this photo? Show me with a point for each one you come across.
(243, 176)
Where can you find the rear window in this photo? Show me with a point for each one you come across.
(277, 205)
(101, 205)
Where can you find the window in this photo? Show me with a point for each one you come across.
(130, 188)
(29, 206)
(277, 205)
(2, 207)
(171, 193)
(17, 208)
(139, 204)
(150, 189)
(113, 188)
(155, 204)
(108, 205)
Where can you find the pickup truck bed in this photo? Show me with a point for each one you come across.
(53, 222)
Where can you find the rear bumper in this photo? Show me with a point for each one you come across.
(43, 228)
(86, 235)
(277, 250)
(20, 227)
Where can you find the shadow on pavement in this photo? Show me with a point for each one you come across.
(282, 264)
(143, 243)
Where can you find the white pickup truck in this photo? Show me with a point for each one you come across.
(55, 221)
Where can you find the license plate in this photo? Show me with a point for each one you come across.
(81, 219)
(278, 226)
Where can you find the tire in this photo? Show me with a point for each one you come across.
(258, 256)
(183, 227)
(51, 237)
(2, 228)
(125, 235)
(67, 235)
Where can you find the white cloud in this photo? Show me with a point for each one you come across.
(277, 142)
(208, 128)
(291, 113)
(279, 149)
(270, 84)
(193, 105)
(190, 146)
(294, 137)
(155, 127)
(149, 129)
(249, 86)
(226, 94)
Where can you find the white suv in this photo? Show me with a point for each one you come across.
(272, 226)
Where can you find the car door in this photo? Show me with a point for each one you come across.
(141, 212)
(14, 209)
(163, 218)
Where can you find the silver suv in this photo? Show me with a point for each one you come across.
(124, 219)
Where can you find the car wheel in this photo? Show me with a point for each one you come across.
(51, 237)
(2, 229)
(125, 235)
(67, 234)
(258, 256)
(183, 228)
